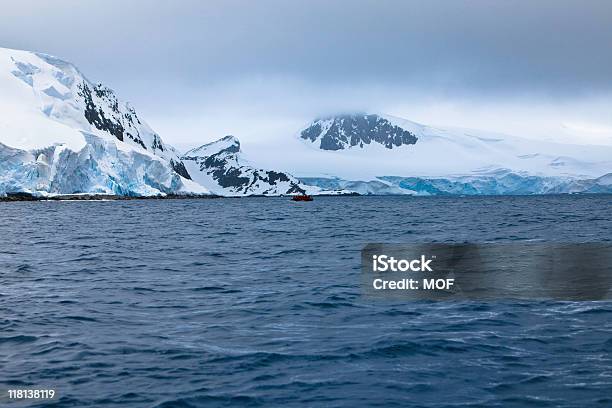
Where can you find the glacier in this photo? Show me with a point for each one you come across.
(62, 134)
(97, 168)
(499, 182)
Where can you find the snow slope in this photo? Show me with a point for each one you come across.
(222, 169)
(368, 154)
(61, 134)
(363, 160)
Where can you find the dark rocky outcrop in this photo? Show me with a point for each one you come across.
(221, 161)
(346, 131)
(120, 124)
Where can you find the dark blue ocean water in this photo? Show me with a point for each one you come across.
(257, 302)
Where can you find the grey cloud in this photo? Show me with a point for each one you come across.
(551, 47)
(199, 69)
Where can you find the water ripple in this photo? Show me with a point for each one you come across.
(257, 302)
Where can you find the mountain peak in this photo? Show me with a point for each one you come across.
(221, 167)
(228, 144)
(356, 130)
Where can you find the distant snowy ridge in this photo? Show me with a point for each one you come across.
(350, 154)
(434, 152)
(61, 134)
(221, 168)
(439, 160)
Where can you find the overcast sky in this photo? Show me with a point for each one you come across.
(197, 70)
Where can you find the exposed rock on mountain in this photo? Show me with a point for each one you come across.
(220, 167)
(356, 130)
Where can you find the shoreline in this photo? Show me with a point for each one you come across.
(12, 197)
(16, 197)
(21, 197)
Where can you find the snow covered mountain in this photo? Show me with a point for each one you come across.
(381, 154)
(221, 168)
(61, 134)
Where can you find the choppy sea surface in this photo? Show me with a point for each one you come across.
(257, 302)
